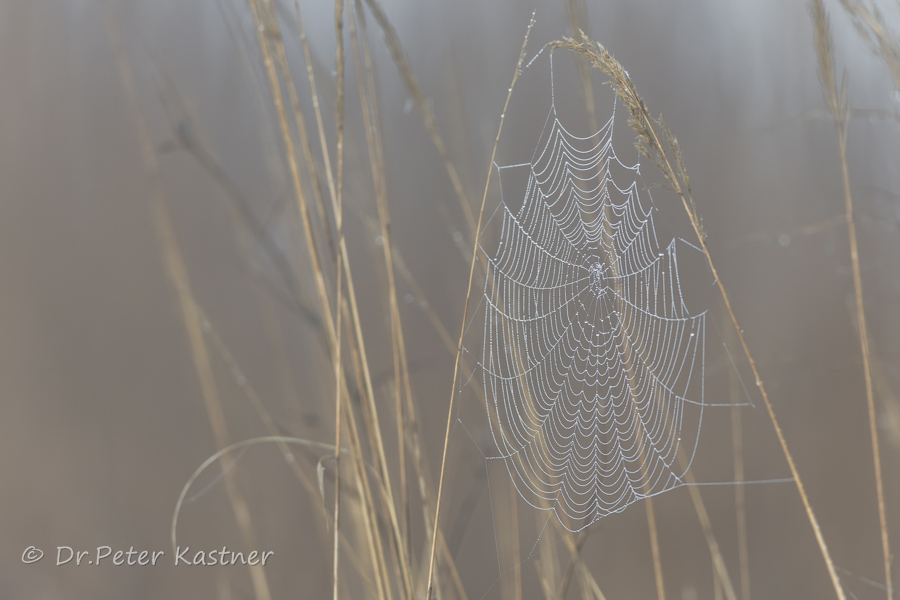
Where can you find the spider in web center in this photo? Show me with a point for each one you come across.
(599, 278)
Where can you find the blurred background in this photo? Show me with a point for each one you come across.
(110, 110)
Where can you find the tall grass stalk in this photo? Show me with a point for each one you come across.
(737, 451)
(654, 550)
(657, 143)
(339, 225)
(392, 40)
(721, 572)
(574, 561)
(369, 111)
(407, 422)
(266, 24)
(578, 20)
(836, 98)
(177, 271)
(437, 510)
(407, 428)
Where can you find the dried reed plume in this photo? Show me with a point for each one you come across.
(870, 24)
(658, 144)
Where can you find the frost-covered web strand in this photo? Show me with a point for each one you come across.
(592, 363)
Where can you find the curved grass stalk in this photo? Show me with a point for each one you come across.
(437, 511)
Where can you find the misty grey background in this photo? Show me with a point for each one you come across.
(101, 417)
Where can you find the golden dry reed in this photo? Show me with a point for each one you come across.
(836, 98)
(658, 144)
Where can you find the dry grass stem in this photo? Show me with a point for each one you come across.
(369, 408)
(737, 448)
(407, 423)
(437, 511)
(836, 99)
(373, 531)
(574, 560)
(270, 25)
(547, 565)
(392, 40)
(870, 23)
(514, 542)
(177, 271)
(339, 224)
(287, 140)
(654, 550)
(721, 571)
(369, 109)
(578, 20)
(657, 143)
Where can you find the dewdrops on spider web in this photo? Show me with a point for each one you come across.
(591, 362)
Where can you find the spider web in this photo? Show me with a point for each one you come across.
(592, 364)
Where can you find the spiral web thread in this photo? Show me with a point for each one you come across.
(592, 365)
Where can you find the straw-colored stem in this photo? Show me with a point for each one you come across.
(654, 549)
(836, 99)
(252, 396)
(717, 586)
(319, 276)
(392, 40)
(369, 108)
(706, 526)
(369, 395)
(339, 224)
(259, 11)
(307, 55)
(260, 8)
(867, 361)
(547, 564)
(177, 271)
(379, 564)
(514, 541)
(369, 407)
(284, 70)
(588, 582)
(577, 12)
(574, 560)
(437, 511)
(652, 147)
(368, 404)
(687, 202)
(415, 447)
(740, 509)
(578, 20)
